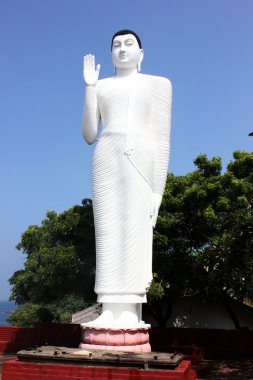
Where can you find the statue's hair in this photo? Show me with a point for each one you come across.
(126, 31)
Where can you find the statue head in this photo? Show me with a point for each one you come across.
(126, 50)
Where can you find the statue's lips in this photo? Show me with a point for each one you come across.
(122, 56)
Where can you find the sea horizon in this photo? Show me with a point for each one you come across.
(6, 308)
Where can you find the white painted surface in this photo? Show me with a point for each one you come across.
(129, 175)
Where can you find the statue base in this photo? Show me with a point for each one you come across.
(54, 363)
(116, 339)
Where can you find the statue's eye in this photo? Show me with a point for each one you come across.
(116, 44)
(129, 42)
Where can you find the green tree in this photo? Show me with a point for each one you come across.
(203, 239)
(60, 266)
(229, 258)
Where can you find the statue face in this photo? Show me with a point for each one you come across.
(126, 53)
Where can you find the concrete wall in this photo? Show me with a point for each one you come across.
(204, 343)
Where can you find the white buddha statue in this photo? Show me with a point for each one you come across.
(128, 175)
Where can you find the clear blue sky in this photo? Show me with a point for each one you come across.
(204, 46)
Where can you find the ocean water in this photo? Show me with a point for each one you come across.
(6, 307)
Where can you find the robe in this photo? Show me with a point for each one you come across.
(130, 163)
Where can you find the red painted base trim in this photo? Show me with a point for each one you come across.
(17, 370)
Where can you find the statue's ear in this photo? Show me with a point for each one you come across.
(140, 60)
(141, 56)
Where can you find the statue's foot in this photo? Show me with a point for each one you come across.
(105, 319)
(128, 319)
(114, 315)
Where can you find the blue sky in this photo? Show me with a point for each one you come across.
(204, 47)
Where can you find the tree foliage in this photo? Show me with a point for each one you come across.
(60, 266)
(202, 245)
(203, 240)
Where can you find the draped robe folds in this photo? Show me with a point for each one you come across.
(130, 163)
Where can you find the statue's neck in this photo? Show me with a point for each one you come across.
(126, 72)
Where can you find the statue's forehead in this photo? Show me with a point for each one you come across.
(124, 37)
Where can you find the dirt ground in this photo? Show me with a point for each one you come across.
(230, 370)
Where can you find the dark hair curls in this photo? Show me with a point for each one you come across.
(126, 31)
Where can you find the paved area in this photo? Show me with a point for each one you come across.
(211, 370)
(230, 370)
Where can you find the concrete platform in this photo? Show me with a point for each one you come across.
(54, 363)
(154, 360)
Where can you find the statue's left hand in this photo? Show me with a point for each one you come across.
(156, 200)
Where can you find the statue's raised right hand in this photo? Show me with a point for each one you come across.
(90, 73)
